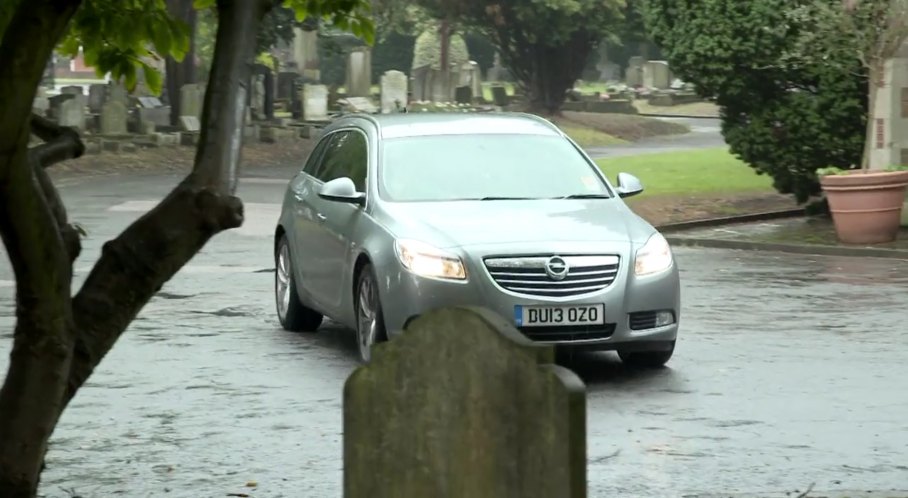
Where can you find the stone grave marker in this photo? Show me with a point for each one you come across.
(190, 123)
(393, 91)
(97, 95)
(113, 118)
(315, 102)
(359, 73)
(72, 90)
(463, 95)
(149, 102)
(462, 405)
(192, 96)
(359, 104)
(72, 112)
(499, 96)
(117, 92)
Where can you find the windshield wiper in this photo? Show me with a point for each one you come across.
(497, 198)
(585, 196)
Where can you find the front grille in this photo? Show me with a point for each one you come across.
(569, 332)
(642, 320)
(527, 275)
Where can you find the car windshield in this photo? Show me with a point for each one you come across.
(485, 167)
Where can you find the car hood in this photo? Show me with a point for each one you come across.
(466, 223)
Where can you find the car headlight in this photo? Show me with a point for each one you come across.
(428, 261)
(655, 256)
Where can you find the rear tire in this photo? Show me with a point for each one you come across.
(293, 315)
(646, 359)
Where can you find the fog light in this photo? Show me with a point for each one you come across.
(664, 318)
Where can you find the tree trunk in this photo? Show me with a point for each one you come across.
(553, 72)
(59, 340)
(31, 396)
(183, 72)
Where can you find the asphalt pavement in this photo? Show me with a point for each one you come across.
(790, 370)
(704, 133)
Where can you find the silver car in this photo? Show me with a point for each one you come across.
(398, 214)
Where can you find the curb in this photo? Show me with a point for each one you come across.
(817, 250)
(730, 220)
(648, 115)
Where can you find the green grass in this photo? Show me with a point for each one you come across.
(696, 172)
(589, 137)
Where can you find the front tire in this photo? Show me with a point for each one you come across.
(646, 359)
(370, 321)
(291, 312)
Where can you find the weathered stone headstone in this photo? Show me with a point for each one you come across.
(72, 112)
(656, 74)
(315, 102)
(257, 97)
(471, 76)
(192, 97)
(393, 91)
(462, 405)
(359, 73)
(359, 104)
(113, 118)
(190, 123)
(463, 95)
(97, 94)
(159, 116)
(117, 93)
(149, 102)
(285, 84)
(72, 90)
(633, 76)
(499, 96)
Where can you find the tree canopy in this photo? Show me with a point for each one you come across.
(784, 116)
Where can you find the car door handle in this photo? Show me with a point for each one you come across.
(321, 217)
(298, 196)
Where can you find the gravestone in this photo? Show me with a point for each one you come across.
(113, 118)
(359, 104)
(462, 405)
(471, 76)
(257, 97)
(359, 73)
(420, 85)
(634, 75)
(190, 123)
(499, 96)
(656, 74)
(72, 112)
(285, 84)
(72, 90)
(463, 95)
(97, 94)
(117, 93)
(315, 102)
(393, 91)
(149, 102)
(192, 97)
(41, 105)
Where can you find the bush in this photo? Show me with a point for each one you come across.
(783, 120)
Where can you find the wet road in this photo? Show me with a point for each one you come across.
(704, 133)
(790, 371)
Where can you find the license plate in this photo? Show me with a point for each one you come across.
(548, 316)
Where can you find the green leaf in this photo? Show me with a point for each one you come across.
(202, 4)
(153, 79)
(161, 36)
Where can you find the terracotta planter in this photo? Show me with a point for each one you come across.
(866, 207)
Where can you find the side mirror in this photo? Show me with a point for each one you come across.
(628, 185)
(342, 190)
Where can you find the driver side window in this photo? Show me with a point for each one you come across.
(315, 157)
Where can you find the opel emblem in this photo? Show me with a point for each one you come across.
(556, 268)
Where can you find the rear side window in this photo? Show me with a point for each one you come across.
(345, 155)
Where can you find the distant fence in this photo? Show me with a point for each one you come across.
(463, 406)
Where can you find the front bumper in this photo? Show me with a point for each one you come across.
(630, 306)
